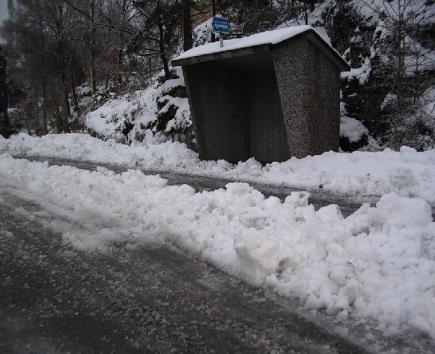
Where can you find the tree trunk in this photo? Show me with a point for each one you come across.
(162, 51)
(187, 25)
(401, 53)
(66, 112)
(92, 78)
(73, 88)
(120, 68)
(62, 58)
(44, 104)
(3, 94)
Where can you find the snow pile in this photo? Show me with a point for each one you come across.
(352, 129)
(377, 263)
(407, 172)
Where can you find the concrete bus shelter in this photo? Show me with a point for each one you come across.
(272, 95)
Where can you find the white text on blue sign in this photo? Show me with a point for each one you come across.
(221, 25)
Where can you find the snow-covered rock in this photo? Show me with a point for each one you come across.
(162, 108)
(352, 129)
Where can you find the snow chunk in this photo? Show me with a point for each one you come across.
(352, 129)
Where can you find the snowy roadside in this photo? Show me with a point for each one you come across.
(359, 175)
(378, 263)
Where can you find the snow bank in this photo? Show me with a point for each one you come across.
(352, 129)
(407, 172)
(377, 263)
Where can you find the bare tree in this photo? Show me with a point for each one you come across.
(158, 32)
(399, 19)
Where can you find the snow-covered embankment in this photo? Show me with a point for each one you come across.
(406, 172)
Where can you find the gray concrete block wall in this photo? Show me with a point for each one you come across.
(308, 84)
(326, 80)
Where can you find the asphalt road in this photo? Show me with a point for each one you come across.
(148, 298)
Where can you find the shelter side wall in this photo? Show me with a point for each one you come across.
(323, 103)
(219, 103)
(267, 132)
(309, 89)
(290, 62)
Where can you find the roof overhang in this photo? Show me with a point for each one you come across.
(222, 55)
(309, 34)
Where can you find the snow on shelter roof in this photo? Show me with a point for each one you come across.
(212, 51)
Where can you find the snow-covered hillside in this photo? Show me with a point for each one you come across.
(361, 32)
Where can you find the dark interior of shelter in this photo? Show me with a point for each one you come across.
(242, 106)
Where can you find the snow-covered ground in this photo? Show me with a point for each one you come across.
(359, 174)
(378, 263)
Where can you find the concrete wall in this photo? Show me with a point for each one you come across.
(309, 87)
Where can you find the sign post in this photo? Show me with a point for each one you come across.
(222, 26)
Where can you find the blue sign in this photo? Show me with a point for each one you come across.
(221, 25)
